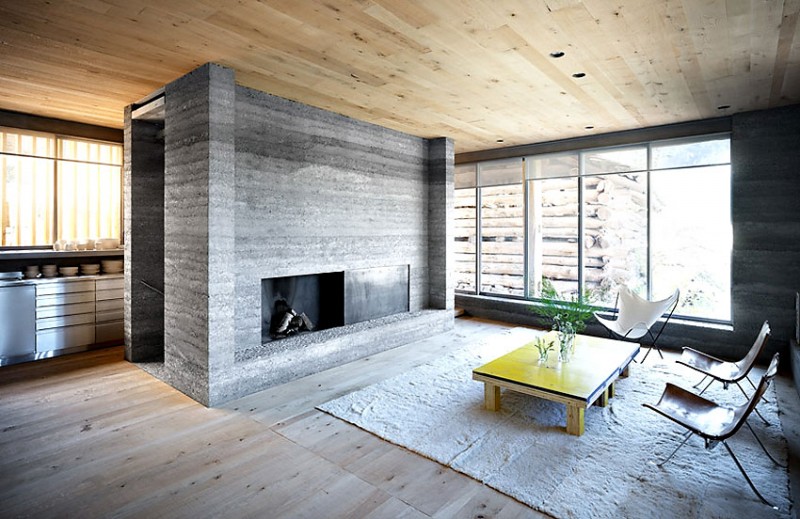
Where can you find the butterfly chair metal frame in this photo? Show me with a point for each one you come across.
(639, 328)
(723, 371)
(713, 422)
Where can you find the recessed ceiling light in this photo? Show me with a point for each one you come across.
(579, 74)
(723, 107)
(500, 140)
(556, 54)
(589, 127)
(354, 76)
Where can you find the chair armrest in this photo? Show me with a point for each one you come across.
(702, 354)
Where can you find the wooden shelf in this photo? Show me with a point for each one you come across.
(32, 254)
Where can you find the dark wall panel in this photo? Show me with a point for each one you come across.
(765, 151)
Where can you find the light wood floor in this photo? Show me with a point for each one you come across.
(90, 435)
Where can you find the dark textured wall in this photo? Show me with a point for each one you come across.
(765, 207)
(440, 223)
(144, 240)
(765, 148)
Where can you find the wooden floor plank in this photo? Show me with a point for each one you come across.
(132, 428)
(71, 418)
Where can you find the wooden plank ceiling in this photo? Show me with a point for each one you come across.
(479, 71)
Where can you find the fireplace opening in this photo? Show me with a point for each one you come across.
(294, 305)
(297, 304)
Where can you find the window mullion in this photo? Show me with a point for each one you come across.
(526, 291)
(478, 234)
(649, 231)
(56, 169)
(581, 212)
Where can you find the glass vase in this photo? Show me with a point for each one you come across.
(543, 357)
(566, 346)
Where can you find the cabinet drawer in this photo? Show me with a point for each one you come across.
(68, 337)
(117, 293)
(110, 304)
(66, 320)
(108, 284)
(109, 332)
(44, 312)
(113, 315)
(64, 299)
(64, 287)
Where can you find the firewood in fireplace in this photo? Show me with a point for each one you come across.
(290, 321)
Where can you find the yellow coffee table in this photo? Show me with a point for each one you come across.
(587, 379)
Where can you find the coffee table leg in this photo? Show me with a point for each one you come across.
(611, 390)
(491, 394)
(602, 400)
(574, 419)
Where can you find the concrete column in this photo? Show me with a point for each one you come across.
(199, 230)
(440, 223)
(144, 240)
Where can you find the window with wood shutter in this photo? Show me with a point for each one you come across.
(56, 187)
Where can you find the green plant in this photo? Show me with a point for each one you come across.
(543, 346)
(569, 314)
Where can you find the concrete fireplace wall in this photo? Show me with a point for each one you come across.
(257, 187)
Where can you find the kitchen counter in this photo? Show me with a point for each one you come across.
(45, 317)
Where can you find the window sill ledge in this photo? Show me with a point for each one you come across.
(525, 307)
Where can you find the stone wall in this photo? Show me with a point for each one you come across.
(317, 192)
(198, 231)
(259, 187)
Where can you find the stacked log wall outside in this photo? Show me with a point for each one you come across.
(615, 209)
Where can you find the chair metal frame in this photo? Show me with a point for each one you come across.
(724, 371)
(694, 412)
(654, 343)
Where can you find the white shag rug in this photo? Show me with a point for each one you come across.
(524, 451)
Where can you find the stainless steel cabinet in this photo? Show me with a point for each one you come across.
(50, 317)
(17, 321)
(65, 315)
(109, 310)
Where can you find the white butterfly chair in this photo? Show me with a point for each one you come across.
(637, 316)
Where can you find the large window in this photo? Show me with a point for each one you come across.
(54, 187)
(490, 203)
(653, 216)
(466, 233)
